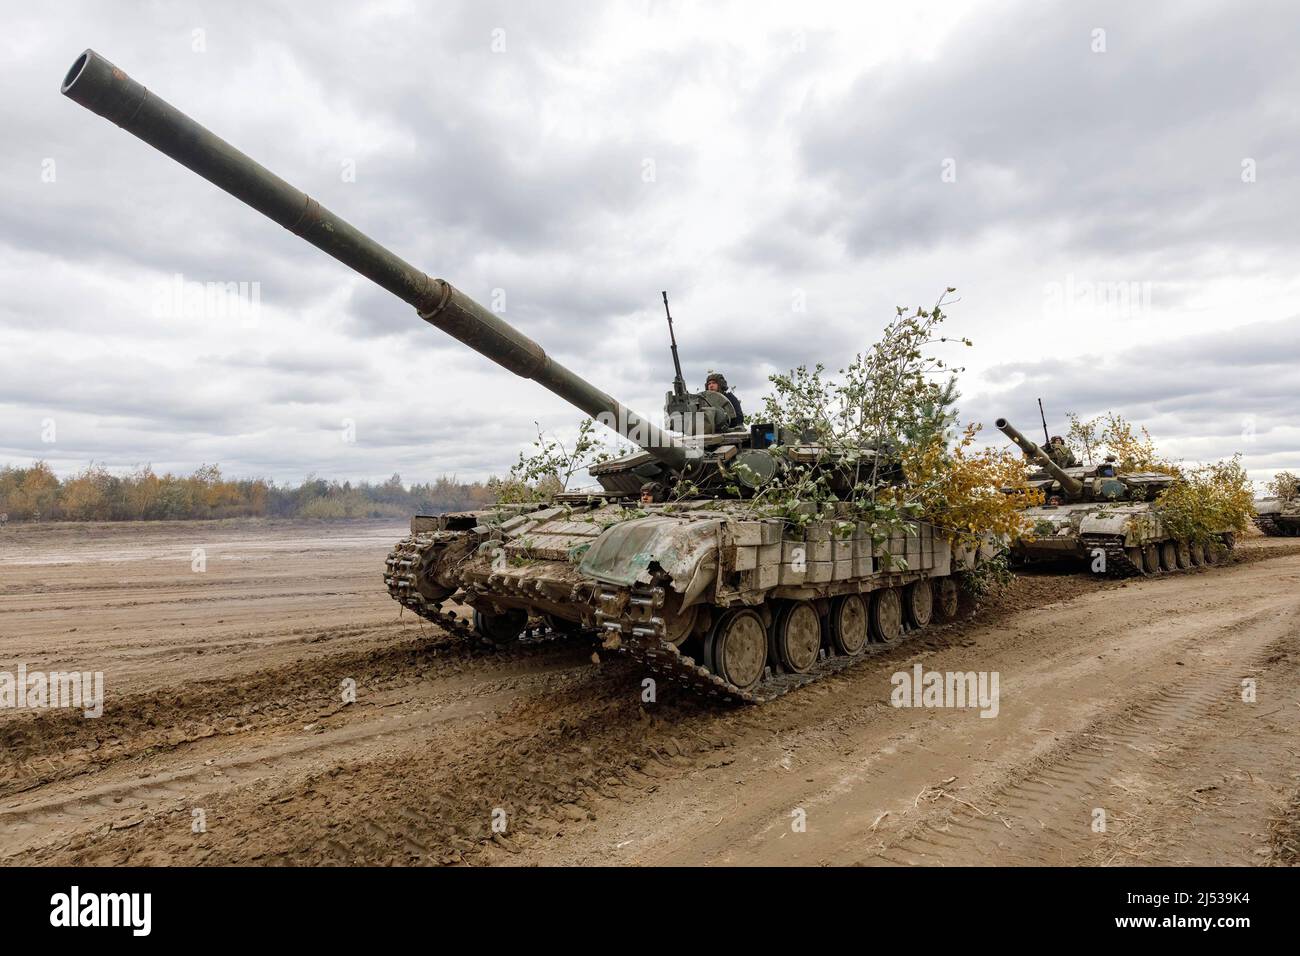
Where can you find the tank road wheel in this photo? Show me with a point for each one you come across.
(1134, 556)
(1184, 555)
(1219, 548)
(947, 598)
(1168, 556)
(849, 624)
(562, 625)
(918, 600)
(887, 615)
(1151, 558)
(502, 628)
(737, 648)
(1196, 551)
(678, 624)
(433, 592)
(797, 637)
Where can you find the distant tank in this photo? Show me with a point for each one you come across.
(1279, 516)
(1106, 517)
(699, 589)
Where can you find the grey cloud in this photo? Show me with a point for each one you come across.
(458, 178)
(299, 362)
(1138, 148)
(1231, 391)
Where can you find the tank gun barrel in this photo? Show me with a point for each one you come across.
(1073, 486)
(102, 88)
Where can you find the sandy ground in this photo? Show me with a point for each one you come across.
(225, 739)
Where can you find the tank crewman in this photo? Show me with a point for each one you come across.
(1059, 452)
(717, 382)
(652, 493)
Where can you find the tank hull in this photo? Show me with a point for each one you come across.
(1118, 540)
(1278, 517)
(662, 582)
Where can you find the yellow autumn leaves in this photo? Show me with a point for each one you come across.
(968, 491)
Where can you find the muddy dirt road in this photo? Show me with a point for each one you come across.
(225, 737)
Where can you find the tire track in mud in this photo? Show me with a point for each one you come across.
(1045, 813)
(128, 652)
(33, 821)
(237, 592)
(125, 648)
(420, 805)
(541, 761)
(39, 748)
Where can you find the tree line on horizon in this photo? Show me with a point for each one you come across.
(96, 494)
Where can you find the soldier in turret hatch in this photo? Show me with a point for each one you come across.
(717, 382)
(1060, 453)
(652, 493)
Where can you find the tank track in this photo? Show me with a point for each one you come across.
(1268, 524)
(630, 622)
(399, 576)
(399, 573)
(1118, 564)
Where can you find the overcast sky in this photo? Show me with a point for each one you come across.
(1114, 188)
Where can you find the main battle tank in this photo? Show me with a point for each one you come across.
(702, 590)
(1105, 516)
(1279, 515)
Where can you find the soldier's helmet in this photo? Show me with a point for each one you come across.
(716, 377)
(654, 490)
(1057, 440)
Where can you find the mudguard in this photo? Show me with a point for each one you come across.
(685, 550)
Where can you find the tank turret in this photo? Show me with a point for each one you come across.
(1070, 485)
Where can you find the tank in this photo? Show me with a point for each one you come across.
(1279, 516)
(1104, 516)
(700, 590)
